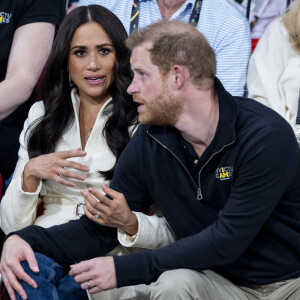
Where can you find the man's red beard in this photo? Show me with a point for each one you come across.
(164, 110)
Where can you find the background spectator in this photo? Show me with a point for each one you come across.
(225, 27)
(26, 34)
(261, 13)
(274, 73)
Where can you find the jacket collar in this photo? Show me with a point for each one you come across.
(76, 103)
(226, 132)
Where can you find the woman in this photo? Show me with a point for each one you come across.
(85, 108)
(73, 138)
(274, 72)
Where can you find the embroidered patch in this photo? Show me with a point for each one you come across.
(4, 17)
(224, 173)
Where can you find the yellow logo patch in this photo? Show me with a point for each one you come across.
(5, 17)
(224, 173)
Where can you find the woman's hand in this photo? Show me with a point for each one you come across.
(113, 213)
(53, 167)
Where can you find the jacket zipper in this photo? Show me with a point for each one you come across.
(175, 157)
(199, 192)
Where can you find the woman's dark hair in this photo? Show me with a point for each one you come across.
(59, 114)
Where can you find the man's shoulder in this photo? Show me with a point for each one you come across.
(259, 116)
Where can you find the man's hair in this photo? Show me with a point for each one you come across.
(177, 43)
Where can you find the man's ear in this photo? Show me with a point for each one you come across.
(178, 76)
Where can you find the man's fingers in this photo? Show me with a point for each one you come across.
(94, 290)
(79, 268)
(14, 284)
(32, 262)
(10, 290)
(21, 274)
(82, 277)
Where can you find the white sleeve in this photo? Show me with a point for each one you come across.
(18, 208)
(274, 73)
(153, 232)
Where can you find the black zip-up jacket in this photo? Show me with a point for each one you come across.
(241, 218)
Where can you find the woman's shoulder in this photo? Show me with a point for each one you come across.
(275, 28)
(36, 111)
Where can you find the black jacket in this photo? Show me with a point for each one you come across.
(241, 218)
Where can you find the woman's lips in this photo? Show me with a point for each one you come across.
(94, 80)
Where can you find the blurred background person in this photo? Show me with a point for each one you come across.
(224, 26)
(26, 33)
(274, 72)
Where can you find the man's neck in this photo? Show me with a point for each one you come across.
(169, 7)
(198, 123)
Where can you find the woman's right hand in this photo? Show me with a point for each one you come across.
(52, 167)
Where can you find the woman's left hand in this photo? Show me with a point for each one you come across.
(106, 212)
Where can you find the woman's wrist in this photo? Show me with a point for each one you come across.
(30, 182)
(132, 226)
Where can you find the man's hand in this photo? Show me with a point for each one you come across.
(113, 213)
(95, 275)
(15, 250)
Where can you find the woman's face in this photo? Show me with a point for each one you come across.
(91, 62)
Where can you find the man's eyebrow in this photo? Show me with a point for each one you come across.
(139, 69)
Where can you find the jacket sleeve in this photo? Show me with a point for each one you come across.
(273, 74)
(264, 174)
(71, 242)
(18, 208)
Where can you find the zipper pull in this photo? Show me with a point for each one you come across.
(199, 194)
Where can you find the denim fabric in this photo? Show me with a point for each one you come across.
(53, 280)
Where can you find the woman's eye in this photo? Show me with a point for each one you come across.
(104, 51)
(79, 53)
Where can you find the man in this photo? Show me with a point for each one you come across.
(217, 167)
(225, 27)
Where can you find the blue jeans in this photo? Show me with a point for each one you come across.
(53, 282)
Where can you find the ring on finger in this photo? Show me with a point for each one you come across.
(58, 178)
(97, 215)
(88, 284)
